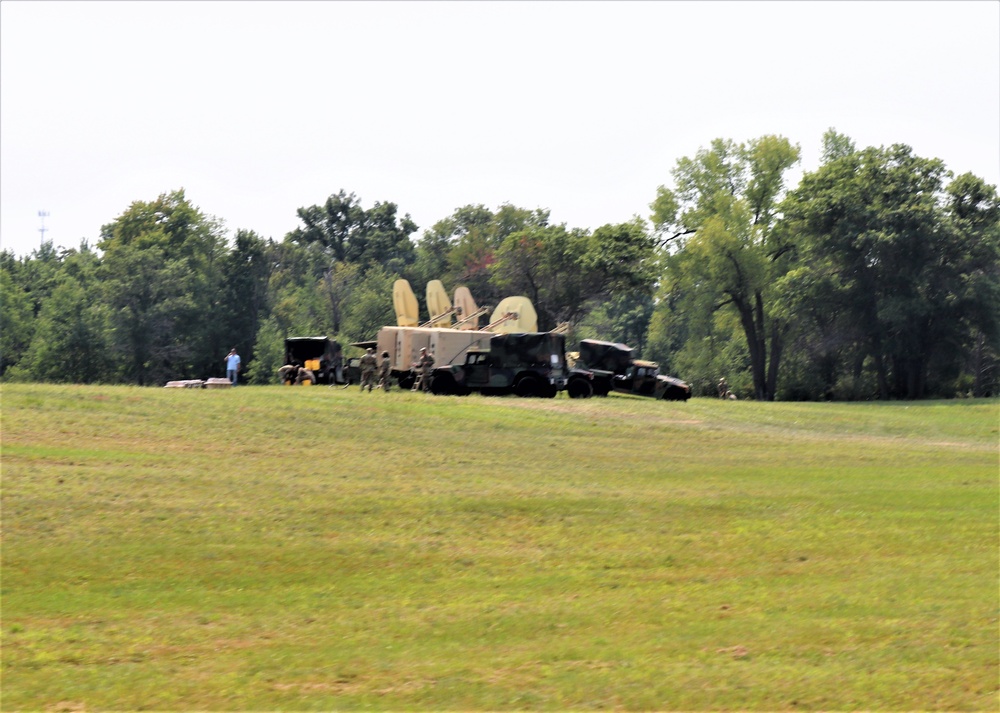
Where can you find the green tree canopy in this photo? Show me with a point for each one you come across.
(347, 232)
(906, 267)
(727, 196)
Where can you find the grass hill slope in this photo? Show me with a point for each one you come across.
(313, 549)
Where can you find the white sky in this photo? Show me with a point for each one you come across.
(259, 108)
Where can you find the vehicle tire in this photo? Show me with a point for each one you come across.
(442, 384)
(528, 386)
(548, 391)
(406, 381)
(579, 389)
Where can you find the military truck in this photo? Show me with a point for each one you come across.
(320, 355)
(526, 364)
(614, 369)
(404, 343)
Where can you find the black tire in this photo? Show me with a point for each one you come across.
(579, 389)
(406, 381)
(528, 386)
(442, 384)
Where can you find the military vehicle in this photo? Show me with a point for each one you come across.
(447, 341)
(404, 343)
(320, 355)
(525, 364)
(614, 369)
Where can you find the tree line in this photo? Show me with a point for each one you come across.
(877, 276)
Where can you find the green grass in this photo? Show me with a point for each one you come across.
(315, 549)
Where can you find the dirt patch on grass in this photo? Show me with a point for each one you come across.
(349, 686)
(593, 408)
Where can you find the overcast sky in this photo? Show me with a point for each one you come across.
(582, 108)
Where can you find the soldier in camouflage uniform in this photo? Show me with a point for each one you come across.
(424, 364)
(368, 365)
(384, 372)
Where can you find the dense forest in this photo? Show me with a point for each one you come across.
(878, 276)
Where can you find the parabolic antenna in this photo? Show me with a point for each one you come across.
(466, 306)
(525, 321)
(438, 303)
(405, 302)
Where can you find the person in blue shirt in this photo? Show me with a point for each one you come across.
(232, 366)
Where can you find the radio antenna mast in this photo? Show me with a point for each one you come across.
(43, 214)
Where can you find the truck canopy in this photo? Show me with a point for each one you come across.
(521, 348)
(320, 355)
(606, 356)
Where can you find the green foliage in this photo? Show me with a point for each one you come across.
(245, 273)
(163, 286)
(544, 265)
(369, 309)
(621, 259)
(727, 196)
(836, 146)
(70, 340)
(269, 353)
(474, 234)
(171, 224)
(347, 232)
(875, 277)
(908, 277)
(337, 288)
(17, 325)
(625, 318)
(567, 273)
(299, 311)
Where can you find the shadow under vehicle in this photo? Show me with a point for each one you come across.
(320, 355)
(526, 364)
(614, 369)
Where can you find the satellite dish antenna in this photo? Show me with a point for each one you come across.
(465, 307)
(405, 302)
(438, 304)
(514, 314)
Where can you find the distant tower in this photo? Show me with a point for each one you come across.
(43, 214)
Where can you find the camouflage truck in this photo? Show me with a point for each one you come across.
(320, 355)
(525, 364)
(614, 369)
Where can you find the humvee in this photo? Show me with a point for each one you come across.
(643, 378)
(614, 369)
(525, 364)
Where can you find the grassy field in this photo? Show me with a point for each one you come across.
(314, 549)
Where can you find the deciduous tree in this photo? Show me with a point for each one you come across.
(906, 265)
(727, 254)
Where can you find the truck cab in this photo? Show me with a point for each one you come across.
(526, 364)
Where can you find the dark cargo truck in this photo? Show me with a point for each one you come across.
(320, 355)
(525, 364)
(614, 369)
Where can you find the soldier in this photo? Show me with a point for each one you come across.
(384, 371)
(289, 373)
(723, 388)
(423, 365)
(368, 364)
